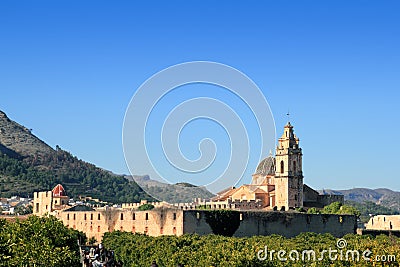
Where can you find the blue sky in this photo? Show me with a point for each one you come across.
(68, 70)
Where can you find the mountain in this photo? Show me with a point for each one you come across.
(19, 140)
(28, 164)
(172, 193)
(381, 196)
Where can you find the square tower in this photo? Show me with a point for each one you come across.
(288, 171)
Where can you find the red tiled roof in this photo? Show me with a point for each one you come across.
(59, 191)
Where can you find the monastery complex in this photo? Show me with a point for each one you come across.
(276, 189)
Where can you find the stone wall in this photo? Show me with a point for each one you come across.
(156, 222)
(384, 222)
(287, 224)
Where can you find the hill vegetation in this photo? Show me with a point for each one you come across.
(27, 164)
(381, 196)
(368, 208)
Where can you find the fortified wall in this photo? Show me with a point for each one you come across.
(96, 222)
(250, 223)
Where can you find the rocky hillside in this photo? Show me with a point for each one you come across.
(381, 196)
(28, 164)
(17, 140)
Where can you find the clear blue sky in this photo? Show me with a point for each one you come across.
(68, 70)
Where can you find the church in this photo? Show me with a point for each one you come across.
(278, 181)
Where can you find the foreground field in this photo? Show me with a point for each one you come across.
(47, 242)
(212, 250)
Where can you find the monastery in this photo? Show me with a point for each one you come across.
(277, 185)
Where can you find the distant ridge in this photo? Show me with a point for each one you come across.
(173, 193)
(382, 196)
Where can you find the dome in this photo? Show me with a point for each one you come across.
(266, 166)
(59, 191)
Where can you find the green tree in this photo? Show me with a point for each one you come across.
(39, 242)
(146, 206)
(312, 210)
(332, 208)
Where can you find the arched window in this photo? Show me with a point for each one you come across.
(282, 166)
(294, 166)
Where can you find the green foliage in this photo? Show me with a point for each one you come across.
(313, 210)
(347, 209)
(223, 222)
(146, 207)
(22, 210)
(332, 208)
(368, 207)
(23, 177)
(338, 208)
(92, 241)
(215, 250)
(39, 242)
(301, 209)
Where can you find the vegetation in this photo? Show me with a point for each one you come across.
(185, 184)
(22, 210)
(223, 222)
(39, 242)
(336, 208)
(214, 250)
(23, 177)
(368, 208)
(146, 207)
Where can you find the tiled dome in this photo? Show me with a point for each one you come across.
(266, 166)
(59, 191)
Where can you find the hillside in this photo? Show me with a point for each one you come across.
(173, 193)
(28, 164)
(381, 196)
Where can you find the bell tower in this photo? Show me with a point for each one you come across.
(288, 171)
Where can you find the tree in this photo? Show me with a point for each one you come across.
(332, 208)
(312, 210)
(39, 242)
(146, 207)
(347, 209)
